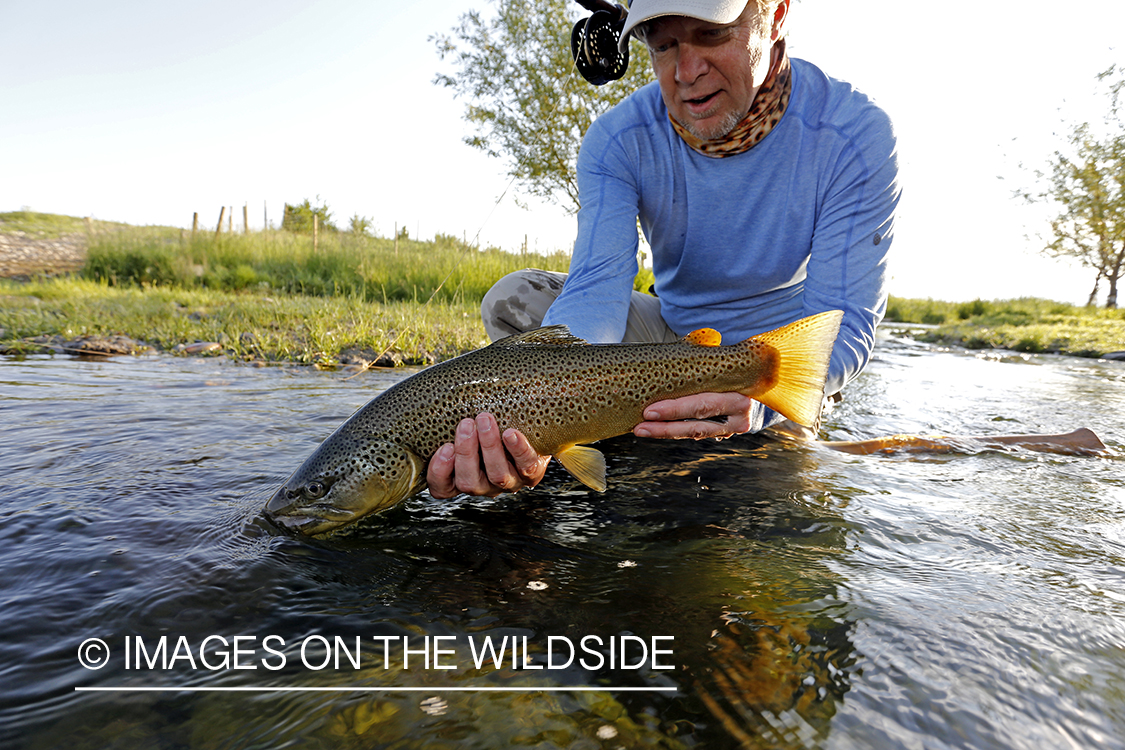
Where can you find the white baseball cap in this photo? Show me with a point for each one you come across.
(714, 11)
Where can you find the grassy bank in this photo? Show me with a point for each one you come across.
(373, 269)
(52, 226)
(326, 330)
(261, 327)
(264, 296)
(1023, 325)
(278, 296)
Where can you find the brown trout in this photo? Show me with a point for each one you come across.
(556, 389)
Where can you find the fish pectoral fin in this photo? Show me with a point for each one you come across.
(704, 337)
(586, 464)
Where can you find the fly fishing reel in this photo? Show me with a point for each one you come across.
(593, 42)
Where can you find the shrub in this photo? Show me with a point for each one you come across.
(971, 309)
(932, 317)
(1029, 344)
(299, 219)
(359, 225)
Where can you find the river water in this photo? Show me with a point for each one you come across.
(741, 593)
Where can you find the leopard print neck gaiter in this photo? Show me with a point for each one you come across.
(765, 112)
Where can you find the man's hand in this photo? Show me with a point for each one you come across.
(480, 461)
(667, 418)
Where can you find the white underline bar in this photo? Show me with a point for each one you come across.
(178, 689)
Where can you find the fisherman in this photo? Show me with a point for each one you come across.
(767, 191)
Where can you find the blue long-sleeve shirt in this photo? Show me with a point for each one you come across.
(799, 224)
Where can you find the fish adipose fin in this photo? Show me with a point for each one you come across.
(558, 335)
(704, 337)
(804, 349)
(586, 464)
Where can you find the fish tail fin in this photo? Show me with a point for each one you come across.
(803, 348)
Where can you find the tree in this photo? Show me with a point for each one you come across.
(359, 225)
(1087, 184)
(526, 101)
(299, 218)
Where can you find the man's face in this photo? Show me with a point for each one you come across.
(709, 73)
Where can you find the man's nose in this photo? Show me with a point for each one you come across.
(691, 64)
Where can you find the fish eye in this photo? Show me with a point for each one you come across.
(314, 490)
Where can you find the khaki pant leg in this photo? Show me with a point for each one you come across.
(519, 301)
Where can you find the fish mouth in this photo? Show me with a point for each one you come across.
(281, 503)
(304, 519)
(304, 524)
(299, 524)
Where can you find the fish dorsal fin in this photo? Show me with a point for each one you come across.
(558, 335)
(586, 464)
(704, 337)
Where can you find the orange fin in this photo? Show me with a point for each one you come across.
(803, 349)
(586, 464)
(704, 337)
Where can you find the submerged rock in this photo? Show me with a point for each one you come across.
(94, 344)
(362, 358)
(199, 347)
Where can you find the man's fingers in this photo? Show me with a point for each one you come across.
(439, 474)
(469, 478)
(498, 469)
(703, 415)
(483, 461)
(530, 465)
(698, 406)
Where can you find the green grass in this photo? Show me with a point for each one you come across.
(297, 328)
(51, 226)
(1024, 325)
(264, 295)
(342, 264)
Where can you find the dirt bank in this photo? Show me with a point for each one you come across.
(23, 256)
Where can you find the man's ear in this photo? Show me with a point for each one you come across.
(779, 16)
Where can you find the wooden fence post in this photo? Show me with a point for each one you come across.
(245, 219)
(219, 227)
(194, 224)
(230, 221)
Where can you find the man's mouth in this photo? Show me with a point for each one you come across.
(700, 103)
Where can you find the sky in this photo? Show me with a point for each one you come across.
(147, 112)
